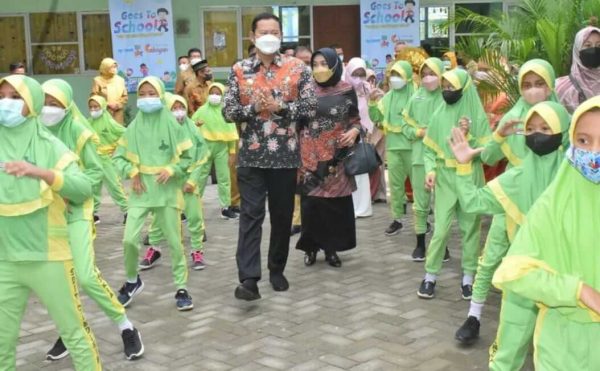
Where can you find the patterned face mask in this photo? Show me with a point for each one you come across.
(587, 162)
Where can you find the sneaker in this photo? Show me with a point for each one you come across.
(183, 300)
(466, 291)
(418, 254)
(146, 240)
(124, 218)
(227, 213)
(130, 290)
(295, 230)
(426, 290)
(198, 261)
(279, 282)
(58, 351)
(183, 218)
(468, 332)
(204, 238)
(429, 229)
(96, 219)
(394, 228)
(132, 344)
(247, 290)
(151, 257)
(446, 255)
(235, 209)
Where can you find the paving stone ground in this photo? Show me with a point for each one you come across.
(364, 316)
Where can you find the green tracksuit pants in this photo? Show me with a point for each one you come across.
(399, 163)
(219, 155)
(169, 222)
(54, 283)
(195, 223)
(113, 183)
(421, 199)
(446, 206)
(88, 275)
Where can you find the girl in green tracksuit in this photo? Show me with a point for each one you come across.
(536, 83)
(514, 192)
(387, 113)
(462, 108)
(109, 132)
(154, 154)
(62, 118)
(191, 194)
(222, 138)
(37, 174)
(417, 114)
(554, 259)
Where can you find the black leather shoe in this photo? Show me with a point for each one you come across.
(247, 290)
(279, 282)
(310, 258)
(333, 259)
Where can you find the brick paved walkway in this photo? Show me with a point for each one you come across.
(364, 316)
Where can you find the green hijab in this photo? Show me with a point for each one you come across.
(154, 140)
(107, 129)
(73, 130)
(199, 151)
(424, 102)
(513, 147)
(447, 116)
(30, 142)
(518, 188)
(559, 238)
(214, 127)
(395, 101)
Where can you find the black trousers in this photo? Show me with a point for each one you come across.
(256, 185)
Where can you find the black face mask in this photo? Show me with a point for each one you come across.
(452, 97)
(543, 144)
(208, 77)
(590, 57)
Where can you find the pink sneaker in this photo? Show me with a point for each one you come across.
(198, 261)
(151, 257)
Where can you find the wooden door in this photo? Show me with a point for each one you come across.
(337, 25)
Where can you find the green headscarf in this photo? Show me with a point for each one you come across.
(447, 116)
(29, 142)
(215, 128)
(557, 248)
(518, 188)
(394, 101)
(514, 147)
(199, 152)
(73, 130)
(154, 140)
(107, 129)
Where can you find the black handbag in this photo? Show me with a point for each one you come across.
(362, 159)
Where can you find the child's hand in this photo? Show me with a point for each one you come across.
(460, 147)
(163, 176)
(199, 123)
(464, 124)
(137, 185)
(509, 128)
(430, 181)
(591, 298)
(376, 95)
(21, 168)
(188, 188)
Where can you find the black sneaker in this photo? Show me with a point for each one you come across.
(418, 254)
(468, 332)
(129, 290)
(146, 240)
(96, 219)
(151, 257)
(296, 229)
(183, 218)
(247, 290)
(279, 282)
(235, 209)
(132, 344)
(466, 291)
(426, 290)
(58, 351)
(394, 228)
(446, 255)
(124, 218)
(227, 213)
(183, 300)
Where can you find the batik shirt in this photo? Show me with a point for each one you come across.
(270, 140)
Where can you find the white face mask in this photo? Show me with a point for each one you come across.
(179, 114)
(51, 116)
(96, 113)
(214, 99)
(268, 44)
(341, 57)
(193, 61)
(184, 67)
(397, 82)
